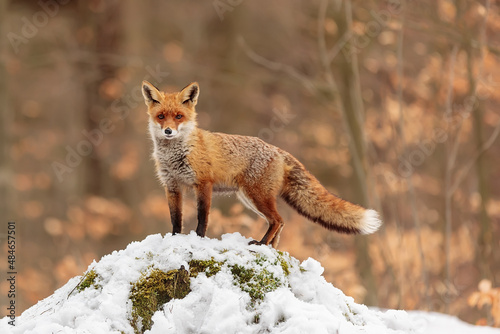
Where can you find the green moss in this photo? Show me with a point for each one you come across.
(210, 267)
(255, 282)
(260, 259)
(241, 274)
(151, 292)
(88, 281)
(284, 263)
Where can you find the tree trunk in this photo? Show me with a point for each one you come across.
(353, 115)
(6, 116)
(106, 26)
(485, 241)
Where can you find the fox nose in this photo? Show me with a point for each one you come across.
(168, 131)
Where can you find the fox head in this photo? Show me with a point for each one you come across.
(171, 115)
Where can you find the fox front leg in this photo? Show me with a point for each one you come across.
(174, 197)
(204, 196)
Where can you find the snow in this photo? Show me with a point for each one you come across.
(295, 299)
(434, 323)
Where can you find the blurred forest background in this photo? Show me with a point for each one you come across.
(394, 105)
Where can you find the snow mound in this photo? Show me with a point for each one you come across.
(187, 284)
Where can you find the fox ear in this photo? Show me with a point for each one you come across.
(151, 93)
(189, 94)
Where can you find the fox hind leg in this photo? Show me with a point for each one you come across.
(266, 207)
(248, 203)
(276, 238)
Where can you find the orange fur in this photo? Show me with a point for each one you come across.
(257, 172)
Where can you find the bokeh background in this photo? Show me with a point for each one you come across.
(391, 104)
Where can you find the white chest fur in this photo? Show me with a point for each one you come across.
(171, 156)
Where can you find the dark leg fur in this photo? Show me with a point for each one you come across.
(175, 205)
(204, 194)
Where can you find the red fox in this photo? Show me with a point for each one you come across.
(257, 172)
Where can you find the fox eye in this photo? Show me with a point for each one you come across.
(161, 116)
(179, 116)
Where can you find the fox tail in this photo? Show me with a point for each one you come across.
(303, 192)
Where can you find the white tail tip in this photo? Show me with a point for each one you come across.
(371, 222)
